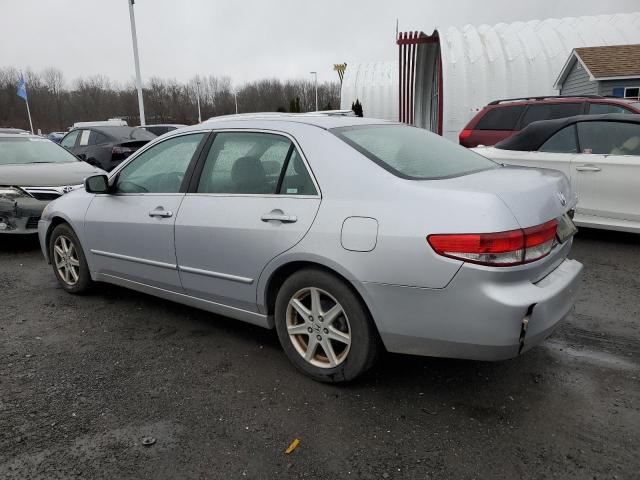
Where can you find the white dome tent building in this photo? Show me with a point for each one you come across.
(441, 80)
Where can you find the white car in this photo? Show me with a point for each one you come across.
(600, 154)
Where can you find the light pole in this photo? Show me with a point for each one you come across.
(136, 60)
(315, 74)
(235, 96)
(198, 98)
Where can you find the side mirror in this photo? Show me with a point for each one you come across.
(97, 184)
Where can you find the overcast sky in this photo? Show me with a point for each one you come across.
(244, 40)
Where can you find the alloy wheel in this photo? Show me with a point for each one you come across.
(318, 327)
(66, 260)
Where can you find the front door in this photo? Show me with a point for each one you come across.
(130, 232)
(254, 199)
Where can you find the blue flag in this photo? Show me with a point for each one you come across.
(22, 90)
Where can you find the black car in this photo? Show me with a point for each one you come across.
(105, 147)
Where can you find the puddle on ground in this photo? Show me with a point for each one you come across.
(597, 357)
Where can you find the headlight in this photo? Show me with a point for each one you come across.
(12, 192)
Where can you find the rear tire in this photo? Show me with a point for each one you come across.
(324, 328)
(68, 260)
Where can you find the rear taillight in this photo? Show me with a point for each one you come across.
(501, 249)
(464, 134)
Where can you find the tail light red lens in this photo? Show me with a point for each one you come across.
(464, 134)
(501, 249)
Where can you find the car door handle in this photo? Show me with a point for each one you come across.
(280, 217)
(161, 213)
(587, 168)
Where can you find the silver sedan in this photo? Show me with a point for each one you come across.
(349, 236)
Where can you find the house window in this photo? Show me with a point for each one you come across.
(632, 92)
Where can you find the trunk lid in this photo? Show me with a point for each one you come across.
(533, 195)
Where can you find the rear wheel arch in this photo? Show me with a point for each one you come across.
(280, 275)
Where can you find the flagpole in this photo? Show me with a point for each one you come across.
(29, 114)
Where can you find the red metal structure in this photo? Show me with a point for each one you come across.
(409, 44)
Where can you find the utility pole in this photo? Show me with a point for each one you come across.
(235, 95)
(198, 98)
(315, 74)
(136, 60)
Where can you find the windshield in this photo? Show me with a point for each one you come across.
(17, 150)
(413, 153)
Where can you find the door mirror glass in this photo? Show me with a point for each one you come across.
(97, 184)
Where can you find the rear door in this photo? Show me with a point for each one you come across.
(252, 197)
(608, 170)
(549, 111)
(130, 232)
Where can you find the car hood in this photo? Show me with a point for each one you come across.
(46, 174)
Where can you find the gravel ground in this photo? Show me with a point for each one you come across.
(84, 379)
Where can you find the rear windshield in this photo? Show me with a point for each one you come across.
(413, 153)
(21, 150)
(500, 118)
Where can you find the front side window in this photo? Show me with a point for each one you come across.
(70, 140)
(500, 118)
(253, 163)
(563, 141)
(161, 168)
(550, 111)
(609, 138)
(413, 153)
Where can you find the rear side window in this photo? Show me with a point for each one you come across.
(411, 152)
(609, 138)
(550, 111)
(597, 108)
(500, 118)
(253, 164)
(563, 141)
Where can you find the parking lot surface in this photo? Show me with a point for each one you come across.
(84, 379)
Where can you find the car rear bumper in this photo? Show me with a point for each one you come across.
(20, 216)
(477, 316)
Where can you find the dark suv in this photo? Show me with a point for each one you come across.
(502, 118)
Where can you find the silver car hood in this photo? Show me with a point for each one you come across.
(46, 174)
(533, 195)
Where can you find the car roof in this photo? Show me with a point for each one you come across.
(536, 133)
(315, 119)
(560, 99)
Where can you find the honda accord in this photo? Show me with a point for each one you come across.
(349, 236)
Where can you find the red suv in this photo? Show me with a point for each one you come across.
(502, 118)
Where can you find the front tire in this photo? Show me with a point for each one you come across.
(324, 328)
(68, 260)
